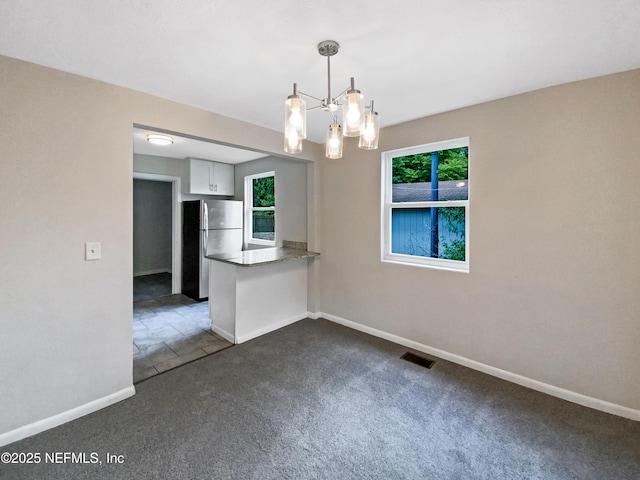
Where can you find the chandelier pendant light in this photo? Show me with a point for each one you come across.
(357, 120)
(370, 131)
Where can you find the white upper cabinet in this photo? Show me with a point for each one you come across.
(210, 178)
(223, 179)
(200, 173)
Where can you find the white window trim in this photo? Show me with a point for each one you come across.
(387, 206)
(249, 209)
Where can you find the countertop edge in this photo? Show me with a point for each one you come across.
(264, 256)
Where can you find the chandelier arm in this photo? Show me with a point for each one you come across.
(317, 107)
(309, 96)
(343, 92)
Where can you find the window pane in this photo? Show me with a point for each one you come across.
(264, 225)
(412, 176)
(412, 231)
(264, 194)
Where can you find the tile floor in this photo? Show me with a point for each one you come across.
(169, 331)
(151, 286)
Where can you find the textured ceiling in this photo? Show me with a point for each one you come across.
(240, 59)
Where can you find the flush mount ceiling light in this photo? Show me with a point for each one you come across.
(357, 120)
(158, 139)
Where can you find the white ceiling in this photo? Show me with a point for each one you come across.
(240, 59)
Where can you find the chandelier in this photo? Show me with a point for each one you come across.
(358, 120)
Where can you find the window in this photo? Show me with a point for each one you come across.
(260, 205)
(425, 205)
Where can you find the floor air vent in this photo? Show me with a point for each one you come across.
(423, 362)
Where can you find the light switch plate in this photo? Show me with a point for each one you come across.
(92, 251)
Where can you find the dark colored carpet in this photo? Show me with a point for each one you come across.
(316, 400)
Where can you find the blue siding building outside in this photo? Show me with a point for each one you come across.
(411, 235)
(410, 227)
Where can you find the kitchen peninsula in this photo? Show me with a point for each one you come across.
(253, 292)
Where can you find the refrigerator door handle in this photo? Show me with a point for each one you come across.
(205, 226)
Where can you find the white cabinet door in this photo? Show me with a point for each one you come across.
(200, 177)
(223, 179)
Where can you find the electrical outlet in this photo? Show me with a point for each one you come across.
(92, 251)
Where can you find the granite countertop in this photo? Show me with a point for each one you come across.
(262, 256)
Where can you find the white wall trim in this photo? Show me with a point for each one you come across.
(64, 417)
(176, 222)
(271, 328)
(151, 272)
(223, 333)
(552, 390)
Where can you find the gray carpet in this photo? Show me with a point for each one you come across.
(316, 400)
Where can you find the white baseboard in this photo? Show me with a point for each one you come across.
(271, 328)
(64, 417)
(223, 333)
(151, 272)
(552, 390)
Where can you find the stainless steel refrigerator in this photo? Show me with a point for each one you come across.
(208, 226)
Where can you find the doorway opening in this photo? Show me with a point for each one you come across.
(156, 234)
(169, 329)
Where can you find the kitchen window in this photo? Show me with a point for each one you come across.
(260, 202)
(425, 205)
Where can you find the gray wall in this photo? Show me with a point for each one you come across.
(66, 322)
(173, 167)
(152, 233)
(552, 293)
